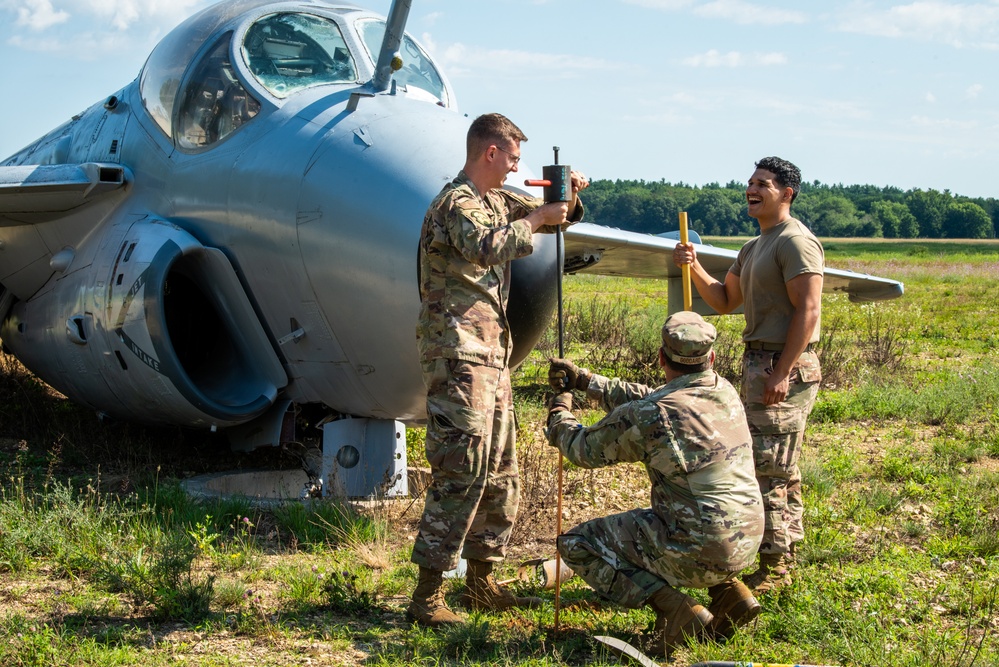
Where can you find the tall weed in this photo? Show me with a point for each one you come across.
(55, 524)
(159, 571)
(322, 524)
(886, 339)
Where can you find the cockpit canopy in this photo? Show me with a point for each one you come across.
(417, 69)
(289, 52)
(198, 96)
(214, 103)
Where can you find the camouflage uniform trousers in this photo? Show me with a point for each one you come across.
(475, 487)
(778, 436)
(627, 557)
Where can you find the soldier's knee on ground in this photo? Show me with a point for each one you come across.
(576, 551)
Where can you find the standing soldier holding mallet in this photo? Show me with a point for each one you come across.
(472, 231)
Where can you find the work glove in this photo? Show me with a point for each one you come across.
(562, 401)
(563, 375)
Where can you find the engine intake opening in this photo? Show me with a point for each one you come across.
(208, 343)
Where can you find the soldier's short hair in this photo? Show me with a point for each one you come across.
(489, 129)
(785, 173)
(687, 368)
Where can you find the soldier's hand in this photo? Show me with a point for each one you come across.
(564, 375)
(684, 254)
(548, 215)
(561, 401)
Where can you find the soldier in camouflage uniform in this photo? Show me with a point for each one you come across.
(778, 277)
(706, 518)
(472, 230)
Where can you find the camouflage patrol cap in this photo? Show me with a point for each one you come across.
(687, 338)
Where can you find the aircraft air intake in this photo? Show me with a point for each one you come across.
(167, 335)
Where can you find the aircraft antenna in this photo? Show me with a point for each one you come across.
(389, 60)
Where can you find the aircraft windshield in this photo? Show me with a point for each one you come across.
(159, 82)
(417, 69)
(214, 102)
(289, 52)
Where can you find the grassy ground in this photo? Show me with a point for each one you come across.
(103, 561)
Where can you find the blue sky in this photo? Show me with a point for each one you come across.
(875, 92)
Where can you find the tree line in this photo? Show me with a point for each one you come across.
(828, 210)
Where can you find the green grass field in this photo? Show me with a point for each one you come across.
(104, 561)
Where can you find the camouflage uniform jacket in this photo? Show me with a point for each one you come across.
(466, 246)
(691, 435)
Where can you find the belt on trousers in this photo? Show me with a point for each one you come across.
(772, 347)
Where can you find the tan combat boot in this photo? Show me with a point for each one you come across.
(678, 617)
(482, 591)
(732, 605)
(774, 573)
(428, 607)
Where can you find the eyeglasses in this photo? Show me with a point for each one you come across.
(516, 158)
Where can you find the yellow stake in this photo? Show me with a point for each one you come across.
(688, 297)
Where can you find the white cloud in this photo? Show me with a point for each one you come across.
(99, 15)
(432, 18)
(39, 14)
(958, 24)
(427, 41)
(747, 13)
(738, 11)
(89, 29)
(667, 118)
(715, 58)
(48, 45)
(719, 103)
(931, 98)
(121, 14)
(665, 5)
(942, 123)
(974, 90)
(835, 110)
(769, 59)
(682, 107)
(459, 59)
(84, 45)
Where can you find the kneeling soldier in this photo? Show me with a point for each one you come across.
(706, 519)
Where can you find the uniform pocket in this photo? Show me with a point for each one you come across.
(454, 438)
(448, 416)
(808, 367)
(460, 396)
(774, 419)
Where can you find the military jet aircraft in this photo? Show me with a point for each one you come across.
(232, 236)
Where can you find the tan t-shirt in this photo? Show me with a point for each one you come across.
(764, 266)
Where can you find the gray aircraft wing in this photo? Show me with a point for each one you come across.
(39, 193)
(46, 210)
(600, 250)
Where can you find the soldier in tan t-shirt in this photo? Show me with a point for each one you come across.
(778, 278)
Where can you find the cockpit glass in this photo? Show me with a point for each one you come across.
(159, 83)
(417, 68)
(214, 103)
(289, 52)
